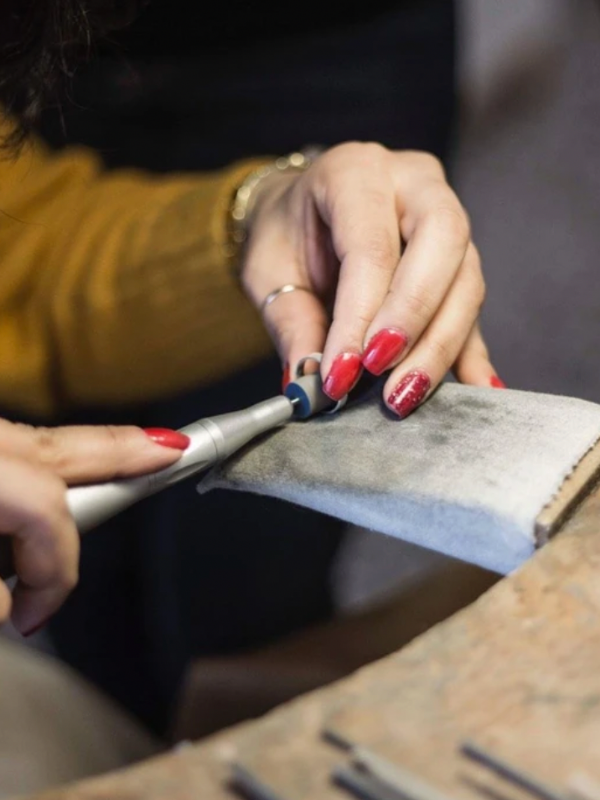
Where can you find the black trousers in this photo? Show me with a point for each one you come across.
(181, 576)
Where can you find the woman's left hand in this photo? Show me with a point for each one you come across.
(384, 246)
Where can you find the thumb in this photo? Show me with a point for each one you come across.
(90, 453)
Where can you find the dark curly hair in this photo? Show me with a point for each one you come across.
(41, 41)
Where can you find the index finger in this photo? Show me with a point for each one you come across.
(360, 209)
(88, 453)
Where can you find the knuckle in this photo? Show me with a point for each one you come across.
(372, 197)
(375, 202)
(373, 151)
(427, 162)
(382, 252)
(355, 151)
(27, 445)
(442, 352)
(420, 304)
(451, 223)
(335, 155)
(113, 435)
(51, 449)
(376, 197)
(347, 325)
(362, 320)
(22, 427)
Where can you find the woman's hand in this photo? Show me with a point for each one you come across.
(384, 245)
(36, 466)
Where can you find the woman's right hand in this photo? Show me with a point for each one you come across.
(36, 467)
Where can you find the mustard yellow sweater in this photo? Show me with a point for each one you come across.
(114, 286)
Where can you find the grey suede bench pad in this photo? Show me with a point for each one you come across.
(467, 474)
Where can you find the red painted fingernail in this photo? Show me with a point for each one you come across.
(497, 383)
(343, 375)
(409, 393)
(286, 377)
(36, 628)
(383, 349)
(168, 438)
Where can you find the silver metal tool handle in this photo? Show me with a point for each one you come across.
(93, 504)
(211, 440)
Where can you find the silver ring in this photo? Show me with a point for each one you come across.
(299, 372)
(289, 287)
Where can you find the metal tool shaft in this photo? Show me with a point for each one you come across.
(211, 440)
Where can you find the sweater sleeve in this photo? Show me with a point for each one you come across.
(114, 285)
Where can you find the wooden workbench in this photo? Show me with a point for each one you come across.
(518, 671)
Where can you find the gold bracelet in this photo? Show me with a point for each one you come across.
(244, 196)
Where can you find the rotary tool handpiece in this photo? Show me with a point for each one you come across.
(211, 440)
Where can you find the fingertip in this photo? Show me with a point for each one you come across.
(402, 396)
(478, 372)
(384, 349)
(343, 375)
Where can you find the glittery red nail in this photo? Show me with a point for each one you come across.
(343, 375)
(497, 383)
(285, 378)
(383, 349)
(409, 393)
